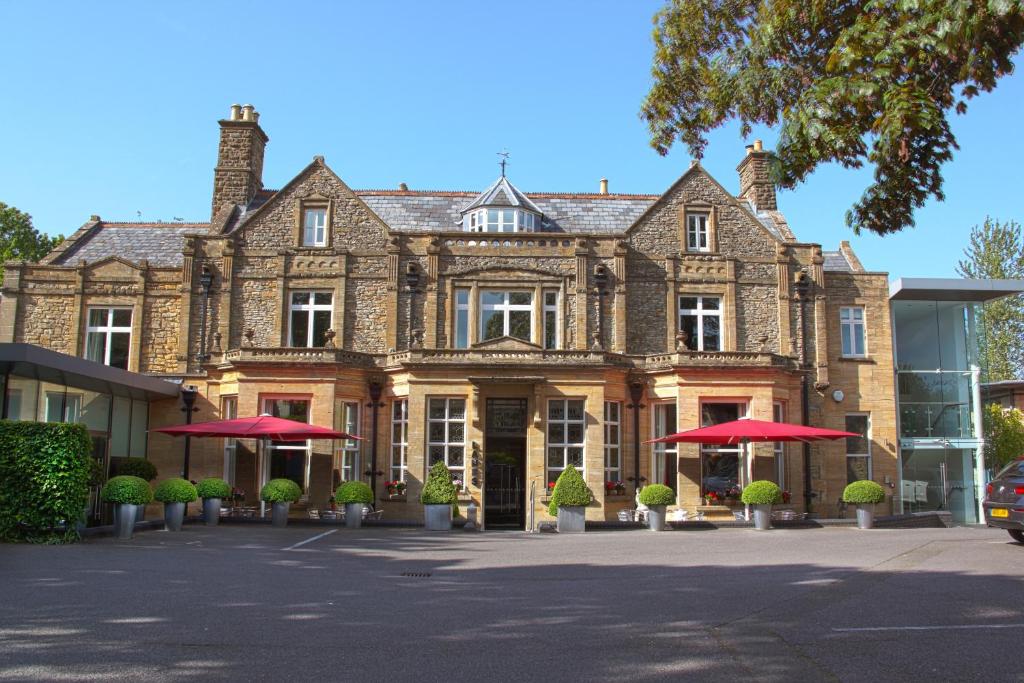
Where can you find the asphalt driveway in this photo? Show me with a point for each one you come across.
(256, 603)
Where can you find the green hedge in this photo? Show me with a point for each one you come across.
(127, 489)
(864, 492)
(175, 491)
(439, 489)
(280, 491)
(657, 494)
(212, 487)
(570, 491)
(761, 492)
(353, 492)
(44, 475)
(136, 467)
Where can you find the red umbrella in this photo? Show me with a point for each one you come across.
(747, 430)
(264, 426)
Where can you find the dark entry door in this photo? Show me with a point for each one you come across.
(505, 464)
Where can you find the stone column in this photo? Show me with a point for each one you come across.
(671, 314)
(784, 277)
(582, 341)
(619, 301)
(185, 296)
(430, 298)
(227, 271)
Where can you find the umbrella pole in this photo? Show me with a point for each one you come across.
(748, 466)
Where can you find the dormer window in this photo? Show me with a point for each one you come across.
(314, 227)
(501, 208)
(502, 220)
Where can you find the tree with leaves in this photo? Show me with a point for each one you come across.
(19, 240)
(996, 251)
(1004, 435)
(847, 81)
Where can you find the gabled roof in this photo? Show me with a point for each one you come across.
(501, 193)
(835, 262)
(159, 243)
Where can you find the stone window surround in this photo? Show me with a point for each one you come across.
(540, 284)
(311, 308)
(336, 285)
(615, 446)
(447, 443)
(402, 445)
(135, 303)
(864, 329)
(262, 399)
(348, 448)
(724, 292)
(702, 311)
(551, 474)
(711, 211)
(658, 450)
(315, 201)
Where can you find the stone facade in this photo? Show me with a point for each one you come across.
(612, 339)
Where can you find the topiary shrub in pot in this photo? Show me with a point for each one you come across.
(353, 495)
(174, 494)
(136, 467)
(761, 495)
(212, 490)
(656, 497)
(865, 495)
(127, 493)
(438, 496)
(280, 493)
(568, 500)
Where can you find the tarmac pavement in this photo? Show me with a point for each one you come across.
(250, 602)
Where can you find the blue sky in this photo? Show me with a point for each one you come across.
(111, 108)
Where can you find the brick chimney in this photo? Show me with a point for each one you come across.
(755, 184)
(238, 175)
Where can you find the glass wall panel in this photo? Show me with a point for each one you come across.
(940, 479)
(95, 411)
(140, 423)
(119, 427)
(917, 335)
(22, 395)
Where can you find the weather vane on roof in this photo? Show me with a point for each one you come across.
(504, 161)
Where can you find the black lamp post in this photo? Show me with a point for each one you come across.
(375, 389)
(188, 400)
(412, 279)
(205, 282)
(636, 395)
(600, 282)
(802, 285)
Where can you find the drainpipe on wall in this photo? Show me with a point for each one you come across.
(375, 388)
(636, 395)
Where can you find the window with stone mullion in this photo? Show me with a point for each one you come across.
(310, 315)
(700, 320)
(446, 435)
(108, 336)
(612, 441)
(399, 440)
(506, 313)
(566, 435)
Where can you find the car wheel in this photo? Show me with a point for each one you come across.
(1017, 535)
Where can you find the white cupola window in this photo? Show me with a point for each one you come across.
(501, 208)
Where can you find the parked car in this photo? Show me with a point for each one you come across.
(1004, 500)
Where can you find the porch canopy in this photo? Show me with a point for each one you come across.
(746, 430)
(261, 427)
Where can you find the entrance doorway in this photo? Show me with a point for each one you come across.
(505, 463)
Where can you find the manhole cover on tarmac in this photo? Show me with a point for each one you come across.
(416, 575)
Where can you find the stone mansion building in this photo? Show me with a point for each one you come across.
(508, 334)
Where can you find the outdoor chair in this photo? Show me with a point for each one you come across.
(369, 513)
(313, 513)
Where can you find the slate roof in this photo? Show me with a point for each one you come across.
(160, 243)
(836, 262)
(432, 211)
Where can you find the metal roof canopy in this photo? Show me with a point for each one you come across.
(35, 362)
(952, 289)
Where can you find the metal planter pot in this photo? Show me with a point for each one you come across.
(762, 517)
(435, 517)
(656, 517)
(279, 513)
(174, 515)
(572, 519)
(865, 516)
(124, 520)
(211, 511)
(140, 513)
(353, 515)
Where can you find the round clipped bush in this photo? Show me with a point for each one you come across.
(280, 491)
(761, 492)
(175, 491)
(439, 489)
(213, 488)
(657, 494)
(126, 489)
(570, 491)
(864, 492)
(137, 467)
(353, 492)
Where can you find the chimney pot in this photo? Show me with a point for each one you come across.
(604, 186)
(247, 110)
(236, 112)
(758, 147)
(94, 218)
(255, 116)
(403, 187)
(750, 149)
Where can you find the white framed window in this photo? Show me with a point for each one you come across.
(288, 459)
(108, 336)
(700, 319)
(446, 436)
(501, 220)
(552, 336)
(697, 232)
(314, 227)
(526, 221)
(506, 313)
(347, 462)
(461, 318)
(724, 468)
(399, 439)
(664, 460)
(309, 318)
(858, 448)
(566, 431)
(612, 441)
(779, 415)
(851, 328)
(229, 411)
